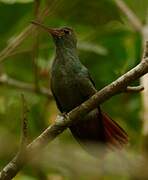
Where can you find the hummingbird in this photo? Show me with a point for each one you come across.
(71, 85)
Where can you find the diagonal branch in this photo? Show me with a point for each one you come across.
(77, 114)
(16, 42)
(9, 49)
(35, 47)
(133, 19)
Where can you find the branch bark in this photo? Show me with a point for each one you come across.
(77, 114)
(134, 89)
(143, 30)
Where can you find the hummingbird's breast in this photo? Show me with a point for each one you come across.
(65, 85)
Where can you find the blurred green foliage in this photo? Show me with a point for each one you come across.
(108, 46)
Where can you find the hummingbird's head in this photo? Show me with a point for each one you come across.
(63, 37)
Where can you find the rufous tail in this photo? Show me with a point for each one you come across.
(115, 136)
(99, 129)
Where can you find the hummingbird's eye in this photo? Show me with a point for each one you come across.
(66, 31)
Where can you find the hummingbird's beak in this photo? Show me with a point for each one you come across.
(52, 31)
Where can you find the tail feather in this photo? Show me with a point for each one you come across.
(98, 128)
(114, 134)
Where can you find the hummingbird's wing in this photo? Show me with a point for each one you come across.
(89, 77)
(57, 101)
(86, 85)
(97, 127)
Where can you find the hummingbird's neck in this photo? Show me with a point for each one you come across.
(66, 60)
(65, 54)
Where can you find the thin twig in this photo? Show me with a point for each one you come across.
(24, 137)
(16, 42)
(77, 114)
(35, 47)
(144, 82)
(23, 35)
(134, 89)
(6, 80)
(133, 19)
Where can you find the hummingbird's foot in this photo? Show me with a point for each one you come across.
(64, 114)
(62, 118)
